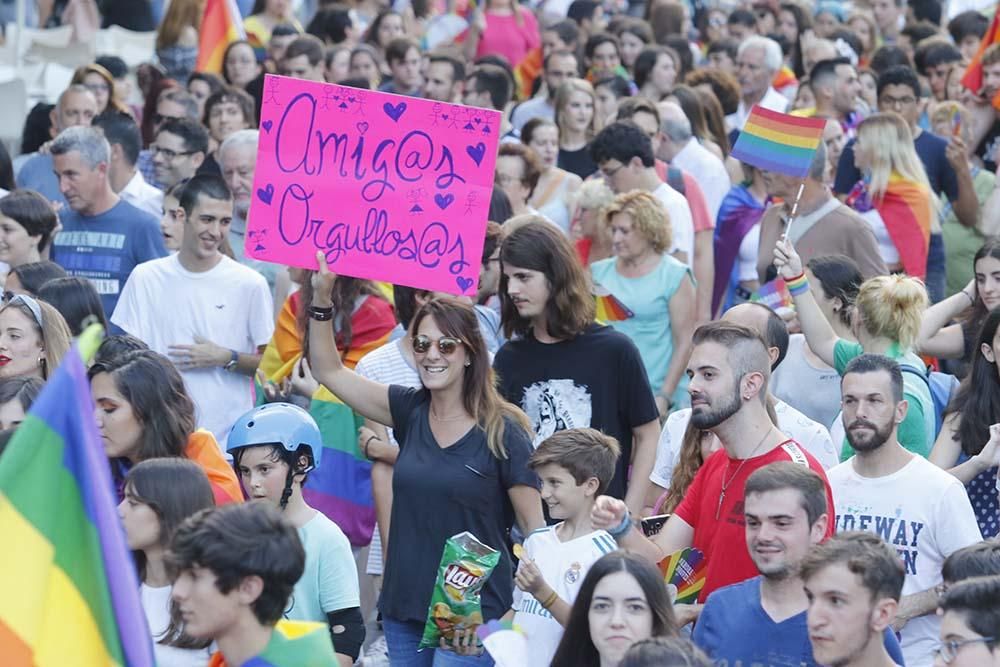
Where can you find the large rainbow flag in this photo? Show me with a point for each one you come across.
(779, 142)
(906, 210)
(69, 594)
(221, 24)
(341, 487)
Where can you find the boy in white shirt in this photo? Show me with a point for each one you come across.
(575, 467)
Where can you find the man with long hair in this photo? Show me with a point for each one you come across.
(564, 369)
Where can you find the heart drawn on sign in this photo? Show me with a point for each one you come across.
(443, 201)
(266, 194)
(394, 111)
(362, 127)
(464, 283)
(267, 125)
(477, 152)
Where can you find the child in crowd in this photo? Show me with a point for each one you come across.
(274, 447)
(575, 467)
(235, 567)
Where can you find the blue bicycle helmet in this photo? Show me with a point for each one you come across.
(281, 424)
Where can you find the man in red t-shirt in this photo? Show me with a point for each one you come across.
(729, 370)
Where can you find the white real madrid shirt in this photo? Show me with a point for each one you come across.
(563, 566)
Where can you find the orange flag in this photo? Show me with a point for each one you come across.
(221, 24)
(973, 77)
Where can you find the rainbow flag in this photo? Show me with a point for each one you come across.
(293, 644)
(685, 569)
(973, 77)
(341, 487)
(609, 307)
(221, 24)
(70, 594)
(779, 142)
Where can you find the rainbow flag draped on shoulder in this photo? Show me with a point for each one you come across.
(906, 211)
(69, 594)
(779, 142)
(293, 644)
(341, 487)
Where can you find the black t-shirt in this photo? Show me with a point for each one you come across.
(931, 149)
(439, 493)
(577, 162)
(596, 379)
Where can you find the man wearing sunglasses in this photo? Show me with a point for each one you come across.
(210, 314)
(103, 237)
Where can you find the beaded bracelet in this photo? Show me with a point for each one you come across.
(798, 285)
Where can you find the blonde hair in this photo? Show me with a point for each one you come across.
(593, 193)
(887, 139)
(563, 94)
(649, 217)
(892, 307)
(55, 335)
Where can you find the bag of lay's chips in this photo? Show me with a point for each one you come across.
(465, 565)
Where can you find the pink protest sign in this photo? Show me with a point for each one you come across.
(388, 187)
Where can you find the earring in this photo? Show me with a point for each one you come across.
(468, 363)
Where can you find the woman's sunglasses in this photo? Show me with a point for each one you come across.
(446, 344)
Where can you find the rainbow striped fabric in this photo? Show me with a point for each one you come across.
(778, 142)
(973, 77)
(609, 307)
(293, 644)
(221, 24)
(70, 594)
(906, 211)
(341, 487)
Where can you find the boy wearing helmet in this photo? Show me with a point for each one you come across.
(274, 447)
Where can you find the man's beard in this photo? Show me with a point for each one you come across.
(710, 417)
(868, 441)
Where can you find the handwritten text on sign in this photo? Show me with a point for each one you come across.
(389, 188)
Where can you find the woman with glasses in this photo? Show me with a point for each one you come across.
(101, 84)
(27, 223)
(33, 338)
(462, 463)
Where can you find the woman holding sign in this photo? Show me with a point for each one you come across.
(462, 463)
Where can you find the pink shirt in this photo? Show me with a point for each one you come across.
(505, 37)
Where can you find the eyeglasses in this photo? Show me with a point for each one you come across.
(949, 650)
(893, 102)
(97, 87)
(11, 299)
(167, 153)
(446, 344)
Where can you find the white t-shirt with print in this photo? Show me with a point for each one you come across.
(164, 304)
(922, 512)
(812, 436)
(563, 566)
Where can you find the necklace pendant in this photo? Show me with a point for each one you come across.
(718, 510)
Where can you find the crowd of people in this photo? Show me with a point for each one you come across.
(660, 356)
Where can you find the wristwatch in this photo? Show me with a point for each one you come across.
(234, 359)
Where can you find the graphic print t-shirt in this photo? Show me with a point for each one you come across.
(595, 379)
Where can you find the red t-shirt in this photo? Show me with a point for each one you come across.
(723, 540)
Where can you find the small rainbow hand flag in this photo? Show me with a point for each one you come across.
(609, 307)
(778, 142)
(774, 295)
(685, 569)
(505, 643)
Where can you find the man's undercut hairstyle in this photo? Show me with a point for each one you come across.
(540, 246)
(976, 601)
(192, 134)
(976, 560)
(874, 363)
(396, 49)
(120, 130)
(787, 475)
(582, 452)
(211, 186)
(457, 66)
(864, 554)
(775, 332)
(494, 80)
(238, 541)
(825, 71)
(309, 46)
(88, 141)
(747, 350)
(899, 75)
(622, 141)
